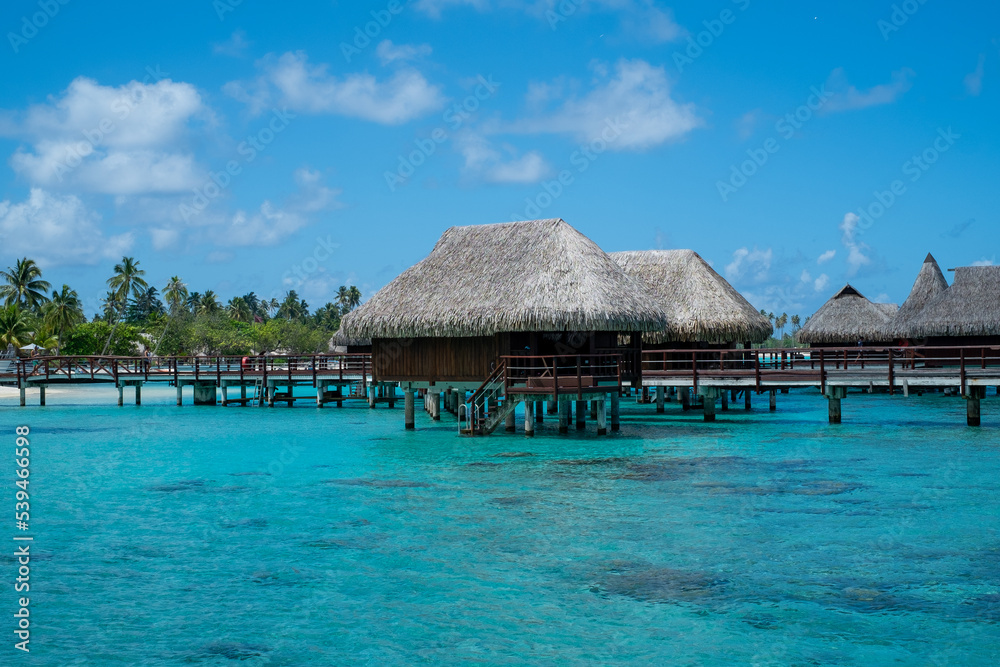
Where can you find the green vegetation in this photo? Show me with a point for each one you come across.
(135, 318)
(783, 337)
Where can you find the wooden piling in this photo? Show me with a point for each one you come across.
(581, 414)
(835, 413)
(539, 411)
(138, 394)
(602, 417)
(121, 395)
(564, 409)
(685, 398)
(615, 412)
(408, 409)
(747, 401)
(725, 401)
(660, 396)
(180, 394)
(509, 425)
(529, 419)
(23, 394)
(774, 400)
(41, 395)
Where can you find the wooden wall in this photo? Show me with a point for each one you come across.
(436, 359)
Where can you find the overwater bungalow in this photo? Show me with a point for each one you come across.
(342, 343)
(702, 308)
(966, 313)
(847, 319)
(512, 311)
(929, 284)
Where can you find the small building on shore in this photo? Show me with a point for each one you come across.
(539, 290)
(847, 319)
(340, 343)
(702, 308)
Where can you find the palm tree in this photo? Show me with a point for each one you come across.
(44, 338)
(128, 280)
(146, 303)
(109, 306)
(13, 327)
(780, 323)
(353, 297)
(176, 294)
(239, 309)
(796, 323)
(293, 308)
(24, 285)
(192, 301)
(328, 316)
(343, 299)
(272, 306)
(62, 312)
(208, 304)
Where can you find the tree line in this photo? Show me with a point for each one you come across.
(135, 317)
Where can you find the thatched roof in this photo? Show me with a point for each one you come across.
(846, 317)
(889, 309)
(341, 340)
(540, 275)
(930, 282)
(700, 304)
(970, 307)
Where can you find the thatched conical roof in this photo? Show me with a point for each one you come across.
(970, 307)
(847, 317)
(540, 275)
(701, 305)
(930, 282)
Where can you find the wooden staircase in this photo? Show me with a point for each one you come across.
(491, 394)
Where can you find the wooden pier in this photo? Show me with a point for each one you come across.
(544, 384)
(260, 381)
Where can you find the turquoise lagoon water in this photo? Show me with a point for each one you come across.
(211, 536)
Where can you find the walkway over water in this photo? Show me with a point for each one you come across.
(706, 375)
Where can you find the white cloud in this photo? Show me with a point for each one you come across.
(630, 109)
(805, 277)
(974, 80)
(985, 261)
(291, 81)
(267, 226)
(845, 97)
(856, 257)
(747, 123)
(114, 140)
(820, 284)
(483, 161)
(826, 256)
(235, 46)
(57, 230)
(388, 52)
(755, 264)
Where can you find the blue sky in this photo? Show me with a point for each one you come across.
(795, 145)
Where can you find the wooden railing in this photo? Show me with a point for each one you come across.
(562, 374)
(799, 364)
(112, 368)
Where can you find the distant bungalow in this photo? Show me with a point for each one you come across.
(340, 343)
(929, 284)
(847, 319)
(967, 313)
(703, 309)
(488, 291)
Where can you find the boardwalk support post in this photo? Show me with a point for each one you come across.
(539, 411)
(581, 414)
(708, 397)
(747, 400)
(41, 395)
(529, 418)
(121, 394)
(602, 417)
(23, 392)
(972, 407)
(660, 397)
(180, 393)
(685, 398)
(774, 400)
(615, 412)
(564, 408)
(408, 408)
(138, 394)
(834, 395)
(725, 400)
